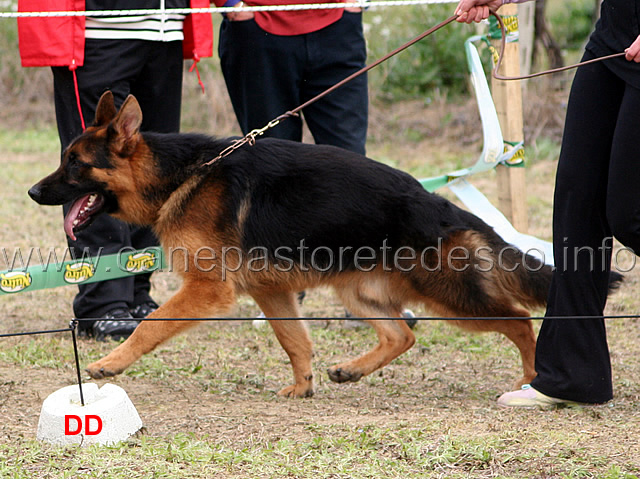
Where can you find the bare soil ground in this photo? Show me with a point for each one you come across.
(218, 383)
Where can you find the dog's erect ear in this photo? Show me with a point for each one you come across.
(127, 124)
(106, 109)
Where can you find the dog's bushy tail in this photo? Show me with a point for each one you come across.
(528, 279)
(484, 276)
(524, 277)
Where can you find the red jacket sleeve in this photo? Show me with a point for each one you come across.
(198, 33)
(51, 41)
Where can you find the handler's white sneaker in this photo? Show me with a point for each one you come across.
(530, 397)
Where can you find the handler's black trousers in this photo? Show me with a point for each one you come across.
(152, 72)
(268, 75)
(596, 198)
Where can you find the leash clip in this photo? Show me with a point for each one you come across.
(248, 138)
(251, 136)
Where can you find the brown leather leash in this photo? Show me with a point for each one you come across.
(503, 40)
(250, 137)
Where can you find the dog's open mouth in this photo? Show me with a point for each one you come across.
(82, 212)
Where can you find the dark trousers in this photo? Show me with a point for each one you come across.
(596, 198)
(152, 72)
(267, 75)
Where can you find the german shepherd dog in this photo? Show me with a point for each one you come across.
(280, 217)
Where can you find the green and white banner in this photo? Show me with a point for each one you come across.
(81, 271)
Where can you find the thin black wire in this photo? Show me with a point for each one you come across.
(72, 329)
(31, 333)
(421, 318)
(72, 326)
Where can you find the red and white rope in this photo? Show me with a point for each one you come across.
(186, 11)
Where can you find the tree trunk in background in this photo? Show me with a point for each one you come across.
(543, 35)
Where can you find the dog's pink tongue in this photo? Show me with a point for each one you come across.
(73, 214)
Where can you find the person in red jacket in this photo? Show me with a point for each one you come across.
(274, 61)
(140, 55)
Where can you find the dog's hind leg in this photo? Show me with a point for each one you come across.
(394, 336)
(212, 299)
(293, 337)
(520, 331)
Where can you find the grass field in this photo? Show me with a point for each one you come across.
(208, 400)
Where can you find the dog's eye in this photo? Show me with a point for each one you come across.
(74, 159)
(74, 162)
(74, 165)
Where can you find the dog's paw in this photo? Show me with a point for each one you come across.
(341, 375)
(99, 371)
(296, 391)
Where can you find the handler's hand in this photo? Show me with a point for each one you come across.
(633, 52)
(476, 10)
(355, 9)
(239, 16)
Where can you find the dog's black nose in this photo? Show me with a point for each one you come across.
(35, 193)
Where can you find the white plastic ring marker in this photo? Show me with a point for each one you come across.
(107, 417)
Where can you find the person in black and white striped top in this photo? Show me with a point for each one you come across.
(156, 27)
(127, 54)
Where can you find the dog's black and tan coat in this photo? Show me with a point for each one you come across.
(279, 217)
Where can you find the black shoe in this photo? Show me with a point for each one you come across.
(409, 318)
(117, 324)
(301, 296)
(143, 309)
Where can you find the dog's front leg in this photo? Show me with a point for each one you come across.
(146, 337)
(294, 339)
(213, 298)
